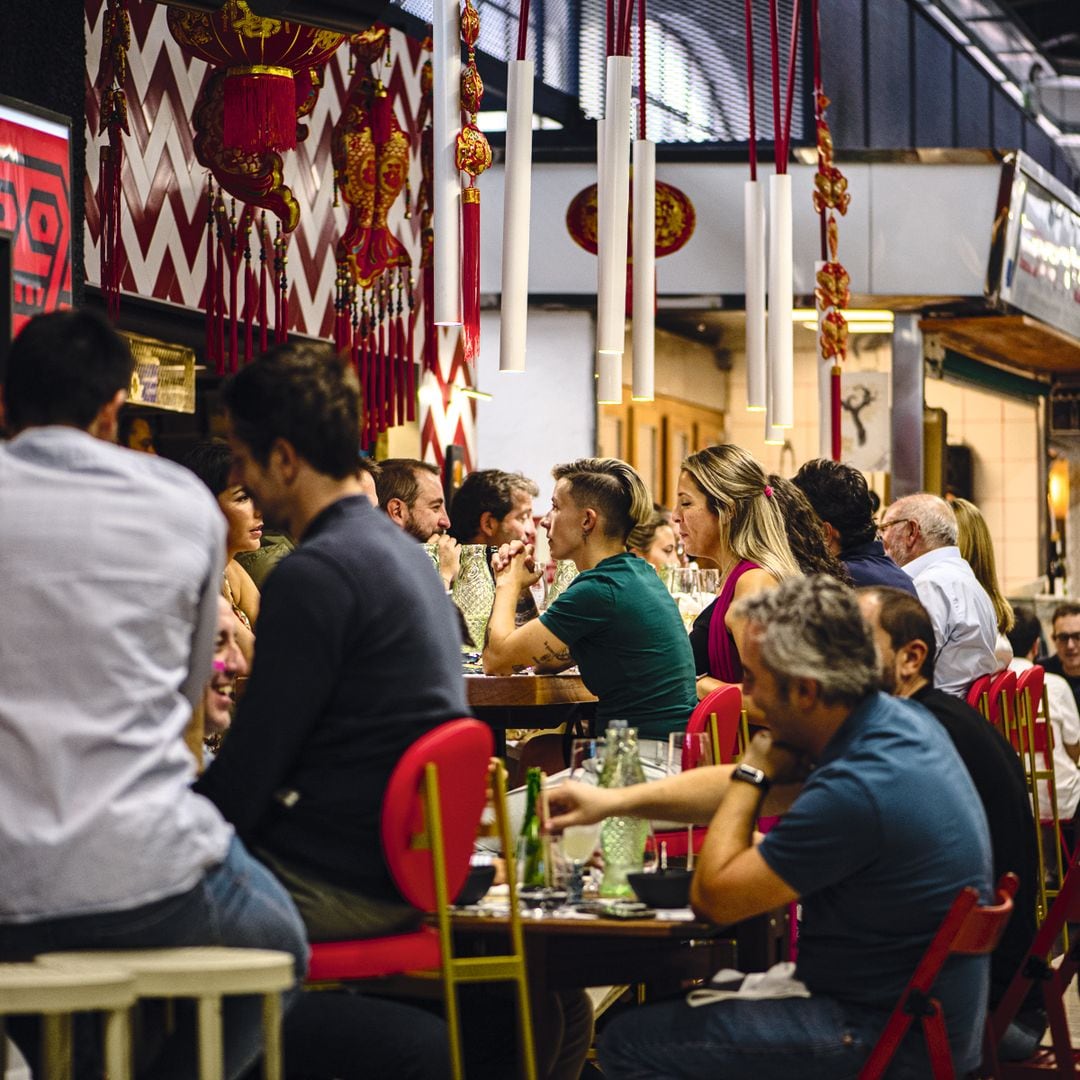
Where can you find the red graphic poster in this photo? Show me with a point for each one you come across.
(35, 209)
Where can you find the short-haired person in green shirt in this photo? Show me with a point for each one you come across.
(615, 620)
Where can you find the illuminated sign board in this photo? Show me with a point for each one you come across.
(1035, 254)
(35, 208)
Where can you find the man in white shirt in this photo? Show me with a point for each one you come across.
(919, 532)
(110, 569)
(1024, 638)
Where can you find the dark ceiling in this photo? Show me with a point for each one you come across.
(1055, 25)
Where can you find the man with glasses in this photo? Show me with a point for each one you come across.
(919, 532)
(1066, 637)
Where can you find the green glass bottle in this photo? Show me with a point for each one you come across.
(530, 850)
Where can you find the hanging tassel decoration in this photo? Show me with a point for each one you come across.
(259, 109)
(263, 315)
(410, 364)
(249, 291)
(473, 157)
(116, 39)
(210, 346)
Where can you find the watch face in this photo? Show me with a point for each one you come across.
(750, 775)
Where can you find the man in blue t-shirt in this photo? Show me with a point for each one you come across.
(884, 833)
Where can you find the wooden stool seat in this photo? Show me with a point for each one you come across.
(58, 992)
(206, 974)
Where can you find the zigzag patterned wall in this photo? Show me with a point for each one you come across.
(163, 204)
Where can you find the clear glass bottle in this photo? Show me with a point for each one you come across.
(622, 839)
(474, 590)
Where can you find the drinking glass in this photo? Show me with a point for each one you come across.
(684, 585)
(579, 842)
(474, 590)
(565, 572)
(708, 583)
(688, 750)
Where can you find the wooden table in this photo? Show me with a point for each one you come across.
(526, 701)
(564, 953)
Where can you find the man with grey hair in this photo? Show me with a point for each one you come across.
(861, 846)
(919, 532)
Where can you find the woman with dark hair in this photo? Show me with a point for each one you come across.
(211, 462)
(615, 620)
(805, 532)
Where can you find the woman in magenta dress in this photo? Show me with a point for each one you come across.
(725, 512)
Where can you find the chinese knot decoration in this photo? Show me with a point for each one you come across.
(266, 77)
(473, 157)
(374, 301)
(267, 66)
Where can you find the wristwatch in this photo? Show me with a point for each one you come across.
(748, 774)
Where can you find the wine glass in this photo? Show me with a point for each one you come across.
(578, 842)
(688, 750)
(684, 585)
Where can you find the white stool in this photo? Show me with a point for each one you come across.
(58, 992)
(205, 974)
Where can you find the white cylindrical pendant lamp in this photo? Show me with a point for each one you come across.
(611, 331)
(780, 331)
(517, 200)
(609, 378)
(755, 263)
(446, 123)
(644, 325)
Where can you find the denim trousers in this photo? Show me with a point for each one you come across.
(237, 903)
(815, 1038)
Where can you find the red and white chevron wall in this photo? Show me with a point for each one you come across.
(163, 200)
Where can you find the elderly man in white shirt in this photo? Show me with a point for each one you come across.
(1024, 638)
(919, 532)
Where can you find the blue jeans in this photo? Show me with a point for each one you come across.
(815, 1038)
(237, 903)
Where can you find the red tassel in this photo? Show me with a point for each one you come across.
(219, 300)
(263, 313)
(249, 297)
(211, 275)
(384, 382)
(259, 111)
(431, 342)
(399, 367)
(836, 410)
(234, 305)
(410, 367)
(470, 273)
(392, 389)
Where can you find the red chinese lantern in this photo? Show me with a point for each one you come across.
(266, 63)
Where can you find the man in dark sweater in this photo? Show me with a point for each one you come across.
(904, 636)
(840, 497)
(1066, 661)
(357, 652)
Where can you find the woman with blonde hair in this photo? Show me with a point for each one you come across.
(726, 511)
(976, 547)
(615, 620)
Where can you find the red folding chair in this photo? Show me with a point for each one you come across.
(1034, 740)
(1060, 1058)
(719, 713)
(967, 929)
(977, 692)
(431, 812)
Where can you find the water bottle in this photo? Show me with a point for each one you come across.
(530, 850)
(622, 839)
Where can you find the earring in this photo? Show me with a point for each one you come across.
(584, 536)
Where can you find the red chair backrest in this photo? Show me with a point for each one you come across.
(726, 702)
(461, 750)
(1002, 688)
(966, 928)
(975, 692)
(1028, 693)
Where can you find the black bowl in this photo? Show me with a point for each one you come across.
(476, 884)
(662, 889)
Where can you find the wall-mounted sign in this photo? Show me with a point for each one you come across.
(1035, 251)
(35, 207)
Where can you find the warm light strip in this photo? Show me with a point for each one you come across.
(860, 326)
(472, 392)
(807, 314)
